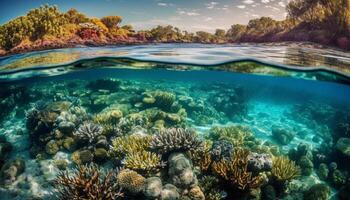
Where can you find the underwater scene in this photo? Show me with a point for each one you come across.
(104, 127)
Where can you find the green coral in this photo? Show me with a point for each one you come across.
(318, 192)
(283, 169)
(176, 139)
(160, 99)
(143, 161)
(131, 144)
(239, 136)
(210, 188)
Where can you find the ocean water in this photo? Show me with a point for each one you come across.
(181, 124)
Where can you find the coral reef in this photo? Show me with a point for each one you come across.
(284, 169)
(176, 139)
(143, 161)
(88, 132)
(131, 181)
(318, 192)
(238, 135)
(181, 171)
(236, 171)
(88, 182)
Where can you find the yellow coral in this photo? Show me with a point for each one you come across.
(110, 117)
(236, 171)
(131, 144)
(202, 157)
(131, 181)
(143, 161)
(237, 135)
(284, 169)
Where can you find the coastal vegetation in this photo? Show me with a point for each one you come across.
(321, 21)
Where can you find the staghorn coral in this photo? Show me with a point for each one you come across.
(237, 135)
(131, 144)
(88, 131)
(236, 171)
(210, 187)
(202, 157)
(284, 169)
(143, 161)
(87, 182)
(131, 181)
(176, 139)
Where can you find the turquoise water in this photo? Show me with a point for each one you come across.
(156, 124)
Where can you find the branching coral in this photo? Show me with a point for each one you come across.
(284, 169)
(176, 139)
(202, 157)
(160, 99)
(131, 144)
(131, 181)
(237, 135)
(236, 171)
(143, 161)
(210, 187)
(88, 182)
(88, 131)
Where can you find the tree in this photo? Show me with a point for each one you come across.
(236, 31)
(75, 17)
(205, 37)
(111, 21)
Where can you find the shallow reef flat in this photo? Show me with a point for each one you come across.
(109, 138)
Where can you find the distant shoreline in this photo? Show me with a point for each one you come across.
(52, 45)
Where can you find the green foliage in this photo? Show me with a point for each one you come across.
(236, 31)
(111, 21)
(325, 14)
(164, 34)
(204, 37)
(75, 17)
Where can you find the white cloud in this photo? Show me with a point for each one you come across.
(188, 13)
(211, 5)
(282, 4)
(265, 1)
(241, 6)
(248, 1)
(162, 4)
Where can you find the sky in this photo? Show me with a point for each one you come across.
(190, 15)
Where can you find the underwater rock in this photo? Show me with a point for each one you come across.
(259, 162)
(283, 136)
(222, 149)
(11, 170)
(180, 171)
(343, 145)
(82, 157)
(88, 132)
(52, 147)
(169, 192)
(306, 166)
(5, 149)
(344, 192)
(318, 192)
(131, 181)
(153, 187)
